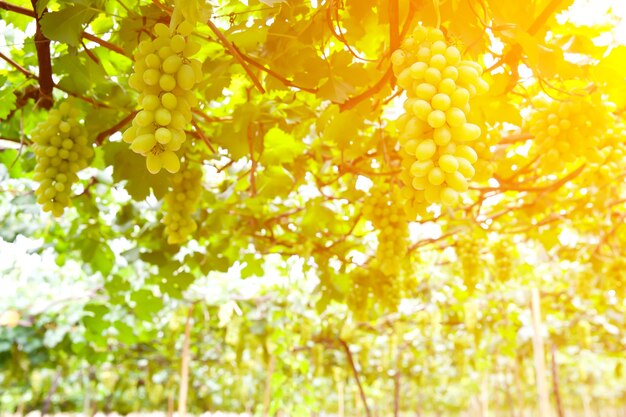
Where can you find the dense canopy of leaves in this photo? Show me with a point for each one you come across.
(295, 128)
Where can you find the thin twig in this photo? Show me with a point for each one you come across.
(355, 373)
(235, 53)
(115, 128)
(103, 43)
(17, 66)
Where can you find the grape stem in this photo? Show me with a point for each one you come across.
(17, 66)
(116, 127)
(235, 53)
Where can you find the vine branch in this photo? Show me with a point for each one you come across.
(235, 53)
(355, 372)
(42, 46)
(116, 127)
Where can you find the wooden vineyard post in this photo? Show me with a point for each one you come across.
(539, 355)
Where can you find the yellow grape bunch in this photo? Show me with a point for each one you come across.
(61, 150)
(164, 75)
(180, 204)
(468, 253)
(502, 260)
(385, 210)
(486, 164)
(435, 135)
(567, 130)
(613, 154)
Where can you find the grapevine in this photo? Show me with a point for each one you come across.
(61, 150)
(435, 134)
(164, 75)
(180, 204)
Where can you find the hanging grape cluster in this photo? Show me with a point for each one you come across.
(568, 130)
(486, 164)
(358, 299)
(180, 204)
(612, 157)
(164, 76)
(503, 261)
(435, 135)
(468, 254)
(373, 288)
(384, 209)
(61, 150)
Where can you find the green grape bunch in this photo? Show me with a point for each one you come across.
(61, 150)
(180, 204)
(164, 75)
(384, 209)
(568, 130)
(468, 253)
(435, 135)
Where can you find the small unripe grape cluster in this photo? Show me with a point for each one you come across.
(384, 209)
(565, 131)
(468, 253)
(486, 164)
(180, 204)
(359, 295)
(61, 150)
(164, 76)
(612, 156)
(435, 134)
(503, 261)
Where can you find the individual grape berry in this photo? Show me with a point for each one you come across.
(61, 150)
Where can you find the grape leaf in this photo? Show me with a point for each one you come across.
(280, 147)
(66, 25)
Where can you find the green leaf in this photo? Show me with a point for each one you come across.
(275, 181)
(67, 25)
(131, 167)
(146, 304)
(7, 97)
(343, 128)
(280, 147)
(103, 259)
(254, 266)
(335, 90)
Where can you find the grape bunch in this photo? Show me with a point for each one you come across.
(613, 155)
(61, 150)
(164, 76)
(486, 164)
(180, 204)
(384, 209)
(569, 130)
(435, 135)
(503, 261)
(468, 254)
(358, 299)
